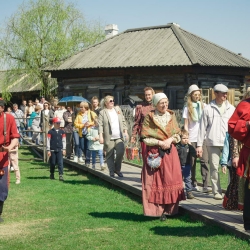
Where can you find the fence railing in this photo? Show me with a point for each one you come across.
(44, 132)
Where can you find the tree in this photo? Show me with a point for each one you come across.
(43, 33)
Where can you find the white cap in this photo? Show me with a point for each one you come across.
(193, 88)
(220, 88)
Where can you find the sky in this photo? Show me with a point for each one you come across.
(224, 22)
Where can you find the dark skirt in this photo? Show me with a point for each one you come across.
(230, 201)
(246, 210)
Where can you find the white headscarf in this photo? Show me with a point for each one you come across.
(157, 97)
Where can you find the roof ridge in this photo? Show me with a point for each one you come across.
(184, 44)
(240, 57)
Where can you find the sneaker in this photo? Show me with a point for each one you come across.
(102, 167)
(11, 169)
(52, 177)
(206, 190)
(81, 160)
(196, 188)
(87, 165)
(190, 195)
(75, 159)
(93, 167)
(61, 178)
(18, 181)
(218, 196)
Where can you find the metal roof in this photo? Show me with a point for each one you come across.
(156, 46)
(21, 83)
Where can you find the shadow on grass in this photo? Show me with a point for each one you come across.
(189, 231)
(123, 216)
(38, 178)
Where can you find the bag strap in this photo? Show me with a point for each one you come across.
(4, 128)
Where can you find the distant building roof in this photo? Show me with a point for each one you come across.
(20, 83)
(157, 46)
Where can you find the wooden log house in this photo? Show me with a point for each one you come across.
(167, 58)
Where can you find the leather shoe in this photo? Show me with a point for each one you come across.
(112, 175)
(119, 174)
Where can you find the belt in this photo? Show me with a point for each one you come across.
(115, 139)
(246, 146)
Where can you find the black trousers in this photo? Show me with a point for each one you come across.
(56, 158)
(4, 185)
(69, 144)
(246, 210)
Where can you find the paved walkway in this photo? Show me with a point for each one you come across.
(203, 207)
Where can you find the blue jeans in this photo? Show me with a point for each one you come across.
(77, 149)
(81, 146)
(20, 131)
(186, 174)
(100, 153)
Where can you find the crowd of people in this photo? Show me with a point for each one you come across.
(216, 133)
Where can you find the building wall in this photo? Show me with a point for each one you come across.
(175, 85)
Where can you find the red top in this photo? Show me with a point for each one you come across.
(237, 123)
(140, 112)
(12, 133)
(238, 129)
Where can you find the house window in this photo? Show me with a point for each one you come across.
(205, 95)
(208, 95)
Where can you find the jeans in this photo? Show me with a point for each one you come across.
(100, 153)
(20, 131)
(186, 174)
(29, 133)
(81, 146)
(77, 149)
(204, 166)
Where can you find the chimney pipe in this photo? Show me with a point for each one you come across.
(111, 30)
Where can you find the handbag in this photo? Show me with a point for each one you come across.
(154, 160)
(22, 125)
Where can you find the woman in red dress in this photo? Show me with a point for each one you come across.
(162, 188)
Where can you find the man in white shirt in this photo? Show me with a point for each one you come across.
(214, 124)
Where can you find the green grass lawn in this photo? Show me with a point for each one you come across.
(223, 177)
(85, 212)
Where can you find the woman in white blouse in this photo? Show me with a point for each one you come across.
(112, 131)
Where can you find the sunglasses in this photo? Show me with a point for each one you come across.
(111, 101)
(57, 122)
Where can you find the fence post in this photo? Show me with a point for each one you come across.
(44, 132)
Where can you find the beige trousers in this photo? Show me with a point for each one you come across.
(214, 153)
(13, 158)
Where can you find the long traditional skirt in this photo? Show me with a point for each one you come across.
(162, 189)
(230, 201)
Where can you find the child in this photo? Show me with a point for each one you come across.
(56, 148)
(186, 152)
(94, 145)
(13, 162)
